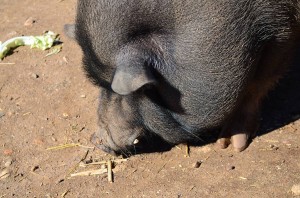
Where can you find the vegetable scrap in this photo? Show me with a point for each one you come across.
(43, 42)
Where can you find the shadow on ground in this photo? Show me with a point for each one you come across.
(282, 106)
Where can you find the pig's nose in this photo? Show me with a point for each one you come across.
(98, 142)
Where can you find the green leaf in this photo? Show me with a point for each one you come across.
(43, 42)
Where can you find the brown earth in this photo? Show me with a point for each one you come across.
(47, 101)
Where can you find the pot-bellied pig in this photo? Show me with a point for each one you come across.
(179, 69)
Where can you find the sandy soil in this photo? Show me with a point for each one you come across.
(47, 101)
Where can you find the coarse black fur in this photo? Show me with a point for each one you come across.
(213, 61)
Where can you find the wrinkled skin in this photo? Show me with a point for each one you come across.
(179, 69)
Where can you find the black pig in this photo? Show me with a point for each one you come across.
(179, 69)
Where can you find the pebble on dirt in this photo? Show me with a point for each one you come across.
(296, 189)
(230, 167)
(65, 115)
(33, 75)
(274, 147)
(8, 162)
(29, 22)
(197, 164)
(66, 59)
(7, 151)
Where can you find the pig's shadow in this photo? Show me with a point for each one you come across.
(280, 107)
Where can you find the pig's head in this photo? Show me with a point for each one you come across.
(133, 94)
(119, 129)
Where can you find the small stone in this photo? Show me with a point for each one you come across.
(33, 75)
(230, 167)
(296, 189)
(8, 162)
(65, 115)
(66, 59)
(7, 151)
(197, 164)
(29, 22)
(273, 147)
(83, 96)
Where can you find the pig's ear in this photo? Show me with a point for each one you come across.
(125, 82)
(69, 30)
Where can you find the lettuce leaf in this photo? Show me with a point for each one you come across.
(41, 42)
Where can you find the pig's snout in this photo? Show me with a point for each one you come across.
(102, 140)
(98, 142)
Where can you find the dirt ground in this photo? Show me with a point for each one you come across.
(47, 101)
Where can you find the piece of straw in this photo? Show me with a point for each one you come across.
(109, 171)
(90, 172)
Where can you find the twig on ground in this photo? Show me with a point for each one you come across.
(90, 172)
(178, 147)
(77, 164)
(162, 167)
(187, 151)
(7, 63)
(109, 171)
(64, 146)
(65, 193)
(131, 173)
(88, 147)
(85, 155)
(102, 162)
